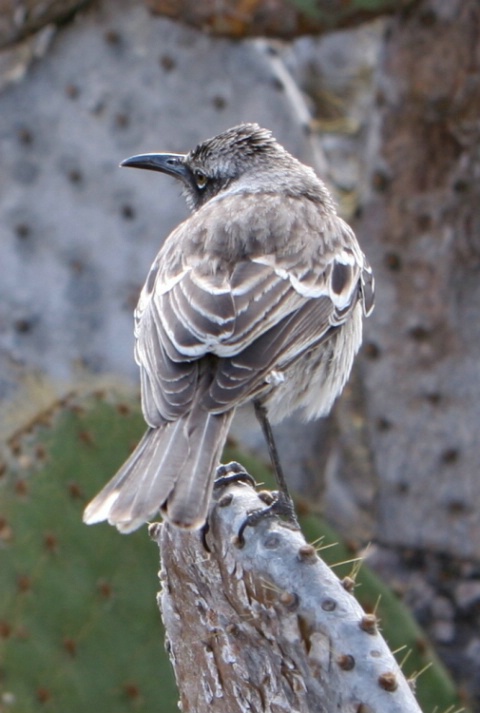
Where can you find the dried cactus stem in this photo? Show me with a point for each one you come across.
(268, 626)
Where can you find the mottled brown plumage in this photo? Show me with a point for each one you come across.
(259, 295)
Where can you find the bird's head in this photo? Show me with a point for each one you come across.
(215, 163)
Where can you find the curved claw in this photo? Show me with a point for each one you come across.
(232, 473)
(282, 506)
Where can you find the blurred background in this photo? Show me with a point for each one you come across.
(383, 100)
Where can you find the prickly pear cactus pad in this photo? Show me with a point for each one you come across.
(79, 625)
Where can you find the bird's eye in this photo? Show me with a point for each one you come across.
(200, 179)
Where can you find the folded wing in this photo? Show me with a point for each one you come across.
(239, 322)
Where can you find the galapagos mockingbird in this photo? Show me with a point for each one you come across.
(258, 296)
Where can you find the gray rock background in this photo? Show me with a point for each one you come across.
(78, 234)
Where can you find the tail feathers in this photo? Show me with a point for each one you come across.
(145, 480)
(187, 505)
(172, 468)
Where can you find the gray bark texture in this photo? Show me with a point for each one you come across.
(267, 626)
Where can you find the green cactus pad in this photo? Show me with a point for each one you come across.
(79, 625)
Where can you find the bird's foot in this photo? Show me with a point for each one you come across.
(232, 473)
(227, 474)
(278, 504)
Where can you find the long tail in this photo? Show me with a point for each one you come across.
(171, 469)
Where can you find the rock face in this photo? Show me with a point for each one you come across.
(77, 233)
(424, 382)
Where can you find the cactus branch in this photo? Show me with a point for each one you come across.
(268, 626)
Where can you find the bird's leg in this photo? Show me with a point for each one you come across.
(261, 414)
(282, 504)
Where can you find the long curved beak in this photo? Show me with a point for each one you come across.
(171, 163)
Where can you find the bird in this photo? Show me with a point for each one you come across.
(258, 296)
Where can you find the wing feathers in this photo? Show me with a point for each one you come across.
(249, 371)
(253, 314)
(256, 321)
(168, 387)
